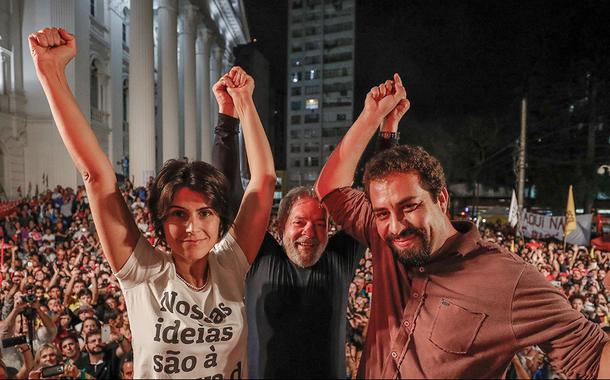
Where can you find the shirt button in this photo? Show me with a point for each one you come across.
(422, 269)
(394, 354)
(415, 295)
(406, 323)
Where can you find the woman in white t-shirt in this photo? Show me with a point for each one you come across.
(186, 308)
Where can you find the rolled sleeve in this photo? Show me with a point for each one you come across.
(351, 210)
(541, 315)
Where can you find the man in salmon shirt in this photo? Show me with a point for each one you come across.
(447, 303)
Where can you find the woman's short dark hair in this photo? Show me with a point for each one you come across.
(197, 176)
(406, 159)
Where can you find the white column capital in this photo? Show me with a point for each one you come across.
(169, 5)
(189, 19)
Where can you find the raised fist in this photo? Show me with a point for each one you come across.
(240, 85)
(52, 48)
(224, 100)
(382, 99)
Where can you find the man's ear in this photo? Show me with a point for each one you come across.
(443, 200)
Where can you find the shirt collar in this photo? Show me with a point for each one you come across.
(465, 241)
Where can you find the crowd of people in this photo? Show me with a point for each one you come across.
(58, 291)
(67, 287)
(56, 280)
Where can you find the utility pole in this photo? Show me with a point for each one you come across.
(521, 162)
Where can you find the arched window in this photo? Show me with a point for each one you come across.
(125, 116)
(94, 85)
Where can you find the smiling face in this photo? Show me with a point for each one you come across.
(412, 223)
(305, 232)
(191, 227)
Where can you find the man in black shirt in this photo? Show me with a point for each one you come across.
(296, 292)
(101, 361)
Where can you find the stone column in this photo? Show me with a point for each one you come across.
(187, 50)
(141, 93)
(203, 93)
(168, 77)
(215, 75)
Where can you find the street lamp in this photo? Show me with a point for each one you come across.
(603, 170)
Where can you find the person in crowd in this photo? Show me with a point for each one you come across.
(70, 349)
(102, 360)
(196, 288)
(49, 356)
(296, 290)
(435, 312)
(127, 366)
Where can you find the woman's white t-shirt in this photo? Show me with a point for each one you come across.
(179, 332)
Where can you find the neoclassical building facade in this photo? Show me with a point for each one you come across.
(142, 75)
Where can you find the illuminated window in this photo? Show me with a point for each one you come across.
(312, 104)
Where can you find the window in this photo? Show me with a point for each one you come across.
(295, 91)
(312, 90)
(295, 106)
(341, 117)
(312, 118)
(295, 148)
(311, 161)
(313, 74)
(295, 134)
(311, 147)
(92, 7)
(295, 119)
(125, 99)
(296, 163)
(94, 85)
(296, 77)
(312, 104)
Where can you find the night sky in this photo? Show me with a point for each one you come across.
(466, 59)
(456, 57)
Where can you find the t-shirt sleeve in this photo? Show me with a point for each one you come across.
(541, 315)
(351, 210)
(230, 256)
(144, 262)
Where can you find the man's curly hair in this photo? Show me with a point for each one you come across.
(407, 159)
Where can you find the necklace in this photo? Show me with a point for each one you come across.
(195, 288)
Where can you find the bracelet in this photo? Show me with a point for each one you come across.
(389, 135)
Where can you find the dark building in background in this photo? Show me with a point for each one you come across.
(269, 104)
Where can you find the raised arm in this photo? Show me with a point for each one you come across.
(255, 209)
(225, 151)
(339, 169)
(52, 49)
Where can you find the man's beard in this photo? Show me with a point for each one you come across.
(413, 256)
(303, 260)
(96, 350)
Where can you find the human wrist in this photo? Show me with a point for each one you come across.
(227, 109)
(371, 118)
(242, 103)
(389, 135)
